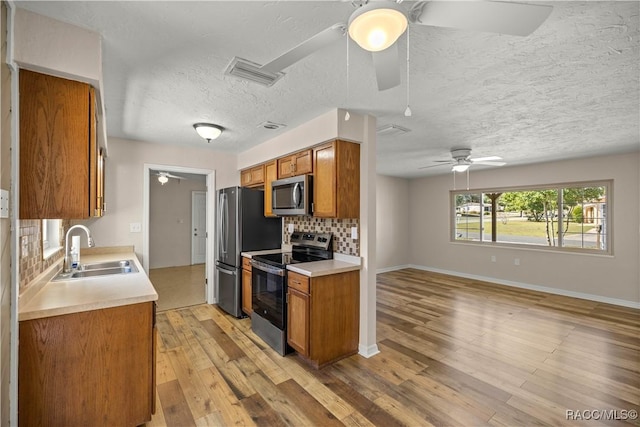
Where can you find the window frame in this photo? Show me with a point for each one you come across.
(608, 231)
(50, 228)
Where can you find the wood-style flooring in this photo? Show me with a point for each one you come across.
(180, 286)
(453, 352)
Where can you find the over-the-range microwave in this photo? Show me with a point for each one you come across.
(292, 196)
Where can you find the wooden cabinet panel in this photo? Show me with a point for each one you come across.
(298, 321)
(298, 281)
(299, 163)
(58, 148)
(336, 182)
(270, 175)
(90, 368)
(323, 316)
(246, 290)
(252, 177)
(54, 147)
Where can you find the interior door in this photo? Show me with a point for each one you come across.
(199, 227)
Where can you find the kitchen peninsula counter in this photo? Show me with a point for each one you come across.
(91, 293)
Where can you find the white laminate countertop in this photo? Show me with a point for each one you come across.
(251, 254)
(323, 268)
(92, 293)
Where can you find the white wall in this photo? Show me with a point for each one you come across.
(124, 184)
(600, 277)
(170, 221)
(392, 230)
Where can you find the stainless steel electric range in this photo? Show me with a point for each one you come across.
(269, 285)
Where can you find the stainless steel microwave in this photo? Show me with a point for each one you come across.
(292, 196)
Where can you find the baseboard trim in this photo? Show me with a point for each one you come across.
(395, 268)
(368, 351)
(545, 289)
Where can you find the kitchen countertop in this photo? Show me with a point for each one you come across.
(323, 268)
(92, 293)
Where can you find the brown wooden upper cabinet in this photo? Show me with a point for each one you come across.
(336, 181)
(252, 177)
(295, 164)
(270, 175)
(58, 149)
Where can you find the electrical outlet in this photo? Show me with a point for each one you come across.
(493, 258)
(135, 227)
(516, 261)
(354, 233)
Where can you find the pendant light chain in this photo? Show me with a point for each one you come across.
(347, 116)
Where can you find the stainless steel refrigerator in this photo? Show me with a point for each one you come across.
(241, 227)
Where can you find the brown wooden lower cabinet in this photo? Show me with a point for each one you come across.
(246, 286)
(323, 316)
(93, 368)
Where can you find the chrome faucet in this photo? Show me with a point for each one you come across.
(67, 263)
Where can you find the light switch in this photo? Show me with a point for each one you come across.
(354, 233)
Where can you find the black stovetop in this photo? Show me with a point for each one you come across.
(285, 258)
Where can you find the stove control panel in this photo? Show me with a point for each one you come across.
(310, 239)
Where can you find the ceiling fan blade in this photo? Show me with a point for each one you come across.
(317, 42)
(517, 19)
(386, 64)
(486, 159)
(175, 176)
(433, 166)
(490, 163)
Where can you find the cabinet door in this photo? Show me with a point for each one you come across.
(89, 368)
(303, 162)
(94, 153)
(246, 291)
(324, 181)
(270, 174)
(245, 178)
(54, 147)
(285, 167)
(298, 321)
(257, 175)
(102, 204)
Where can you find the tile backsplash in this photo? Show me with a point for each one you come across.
(32, 264)
(341, 229)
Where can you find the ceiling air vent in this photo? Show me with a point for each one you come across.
(392, 130)
(251, 71)
(271, 125)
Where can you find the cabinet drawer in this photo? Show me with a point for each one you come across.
(298, 281)
(246, 263)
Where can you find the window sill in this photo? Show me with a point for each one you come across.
(48, 253)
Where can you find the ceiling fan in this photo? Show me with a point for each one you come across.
(461, 160)
(377, 25)
(163, 177)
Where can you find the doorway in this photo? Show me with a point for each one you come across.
(168, 254)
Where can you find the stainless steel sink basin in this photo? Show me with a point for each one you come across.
(99, 269)
(107, 265)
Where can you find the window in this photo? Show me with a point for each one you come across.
(50, 237)
(573, 217)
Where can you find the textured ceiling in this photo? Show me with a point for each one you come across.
(571, 89)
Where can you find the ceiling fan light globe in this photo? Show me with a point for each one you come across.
(460, 168)
(208, 131)
(375, 27)
(163, 179)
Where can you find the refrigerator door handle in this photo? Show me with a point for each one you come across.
(222, 270)
(222, 224)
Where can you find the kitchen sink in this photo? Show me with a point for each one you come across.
(98, 269)
(108, 265)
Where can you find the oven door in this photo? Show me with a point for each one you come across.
(269, 287)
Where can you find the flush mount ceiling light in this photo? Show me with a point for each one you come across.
(208, 131)
(377, 26)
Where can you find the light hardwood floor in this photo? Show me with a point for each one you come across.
(179, 287)
(453, 352)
